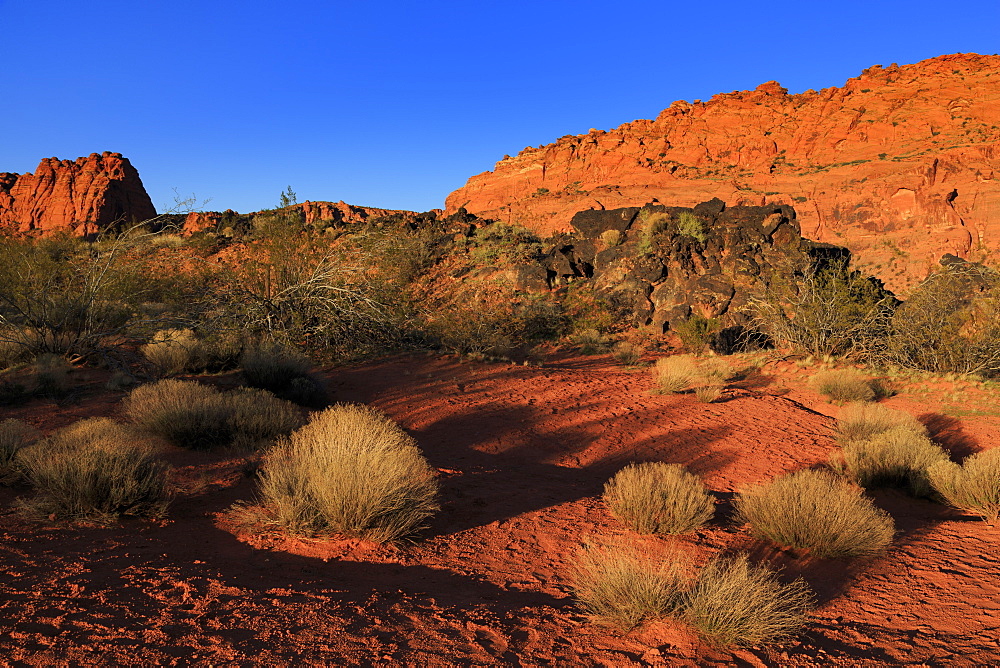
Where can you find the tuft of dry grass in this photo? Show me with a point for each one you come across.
(861, 421)
(708, 393)
(622, 584)
(843, 385)
(14, 435)
(897, 457)
(974, 486)
(173, 351)
(818, 511)
(626, 353)
(94, 469)
(658, 498)
(612, 238)
(286, 373)
(191, 415)
(350, 470)
(734, 602)
(675, 373)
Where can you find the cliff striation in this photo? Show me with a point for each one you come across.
(82, 195)
(900, 164)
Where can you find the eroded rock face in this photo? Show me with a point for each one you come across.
(82, 195)
(900, 164)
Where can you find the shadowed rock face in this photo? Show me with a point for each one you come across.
(675, 262)
(900, 164)
(83, 195)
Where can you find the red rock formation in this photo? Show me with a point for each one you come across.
(900, 165)
(82, 195)
(312, 213)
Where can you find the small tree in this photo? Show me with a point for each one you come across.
(288, 197)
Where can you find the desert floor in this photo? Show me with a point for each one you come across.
(523, 453)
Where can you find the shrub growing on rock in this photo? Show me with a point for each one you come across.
(95, 469)
(974, 486)
(353, 471)
(734, 602)
(818, 511)
(659, 498)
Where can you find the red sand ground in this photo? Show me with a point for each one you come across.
(523, 453)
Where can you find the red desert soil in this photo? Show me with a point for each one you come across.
(523, 453)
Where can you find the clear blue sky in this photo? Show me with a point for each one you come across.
(396, 104)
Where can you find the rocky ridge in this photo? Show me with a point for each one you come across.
(900, 164)
(83, 195)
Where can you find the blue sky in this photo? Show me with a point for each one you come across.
(396, 104)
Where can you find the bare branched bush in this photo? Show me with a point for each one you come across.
(974, 486)
(843, 385)
(818, 511)
(14, 435)
(353, 471)
(862, 421)
(734, 602)
(659, 498)
(896, 457)
(191, 415)
(94, 469)
(623, 584)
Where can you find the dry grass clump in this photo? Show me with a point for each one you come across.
(192, 415)
(612, 238)
(621, 584)
(51, 376)
(626, 353)
(897, 457)
(173, 351)
(859, 422)
(734, 602)
(284, 372)
(844, 385)
(353, 471)
(973, 487)
(816, 510)
(14, 435)
(675, 373)
(708, 393)
(94, 469)
(658, 498)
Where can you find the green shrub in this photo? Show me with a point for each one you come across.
(659, 498)
(690, 225)
(974, 486)
(734, 602)
(624, 585)
(843, 385)
(14, 435)
(818, 511)
(284, 372)
(94, 469)
(860, 422)
(191, 415)
(896, 457)
(351, 470)
(696, 332)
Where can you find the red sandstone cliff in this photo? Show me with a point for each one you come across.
(900, 165)
(311, 213)
(82, 195)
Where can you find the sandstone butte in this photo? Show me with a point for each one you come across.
(82, 195)
(900, 164)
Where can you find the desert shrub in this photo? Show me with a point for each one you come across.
(284, 372)
(818, 511)
(832, 311)
(734, 602)
(51, 376)
(974, 486)
(502, 243)
(696, 332)
(11, 352)
(173, 351)
(14, 435)
(690, 225)
(591, 341)
(353, 471)
(843, 385)
(675, 373)
(862, 421)
(659, 498)
(706, 394)
(651, 223)
(896, 457)
(626, 353)
(95, 469)
(623, 585)
(191, 415)
(612, 238)
(949, 323)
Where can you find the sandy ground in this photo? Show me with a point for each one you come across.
(523, 453)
